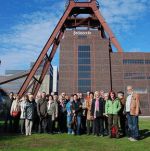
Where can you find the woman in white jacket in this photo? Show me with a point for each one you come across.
(22, 115)
(15, 113)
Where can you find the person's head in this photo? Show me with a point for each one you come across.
(120, 95)
(129, 89)
(106, 96)
(52, 93)
(75, 97)
(80, 95)
(67, 97)
(60, 98)
(71, 97)
(91, 94)
(102, 93)
(11, 95)
(39, 95)
(112, 95)
(55, 97)
(50, 98)
(88, 94)
(31, 97)
(96, 94)
(16, 96)
(43, 95)
(63, 94)
(26, 97)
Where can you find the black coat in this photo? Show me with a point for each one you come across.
(101, 108)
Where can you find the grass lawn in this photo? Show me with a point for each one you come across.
(64, 142)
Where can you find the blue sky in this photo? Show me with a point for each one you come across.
(25, 26)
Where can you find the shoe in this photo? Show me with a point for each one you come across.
(133, 140)
(129, 138)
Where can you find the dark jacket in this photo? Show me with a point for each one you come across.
(29, 110)
(42, 107)
(77, 107)
(101, 108)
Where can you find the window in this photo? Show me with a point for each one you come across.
(83, 61)
(86, 75)
(84, 68)
(83, 54)
(83, 89)
(84, 48)
(134, 76)
(141, 90)
(147, 61)
(84, 82)
(135, 61)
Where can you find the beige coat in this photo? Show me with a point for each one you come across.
(88, 107)
(135, 104)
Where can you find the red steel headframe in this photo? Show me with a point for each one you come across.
(57, 35)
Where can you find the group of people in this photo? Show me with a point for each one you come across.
(91, 114)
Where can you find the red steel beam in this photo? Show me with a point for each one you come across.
(47, 63)
(45, 50)
(57, 33)
(108, 30)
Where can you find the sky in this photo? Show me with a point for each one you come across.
(25, 26)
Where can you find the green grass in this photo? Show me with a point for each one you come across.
(64, 142)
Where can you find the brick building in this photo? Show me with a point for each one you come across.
(87, 63)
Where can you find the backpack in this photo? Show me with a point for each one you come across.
(114, 132)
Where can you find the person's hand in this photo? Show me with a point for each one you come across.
(106, 115)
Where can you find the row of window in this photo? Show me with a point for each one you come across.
(136, 61)
(135, 76)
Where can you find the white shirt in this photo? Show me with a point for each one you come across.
(128, 102)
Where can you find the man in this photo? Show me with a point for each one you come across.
(42, 112)
(132, 108)
(55, 97)
(77, 111)
(97, 110)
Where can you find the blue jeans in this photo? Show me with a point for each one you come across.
(133, 126)
(78, 125)
(69, 120)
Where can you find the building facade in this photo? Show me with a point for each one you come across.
(15, 85)
(87, 63)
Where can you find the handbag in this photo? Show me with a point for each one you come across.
(15, 113)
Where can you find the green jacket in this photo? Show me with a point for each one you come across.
(112, 107)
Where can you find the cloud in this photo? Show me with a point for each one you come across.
(122, 14)
(26, 39)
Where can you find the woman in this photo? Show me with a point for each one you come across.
(106, 96)
(15, 113)
(22, 116)
(89, 120)
(69, 115)
(112, 107)
(29, 115)
(52, 113)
